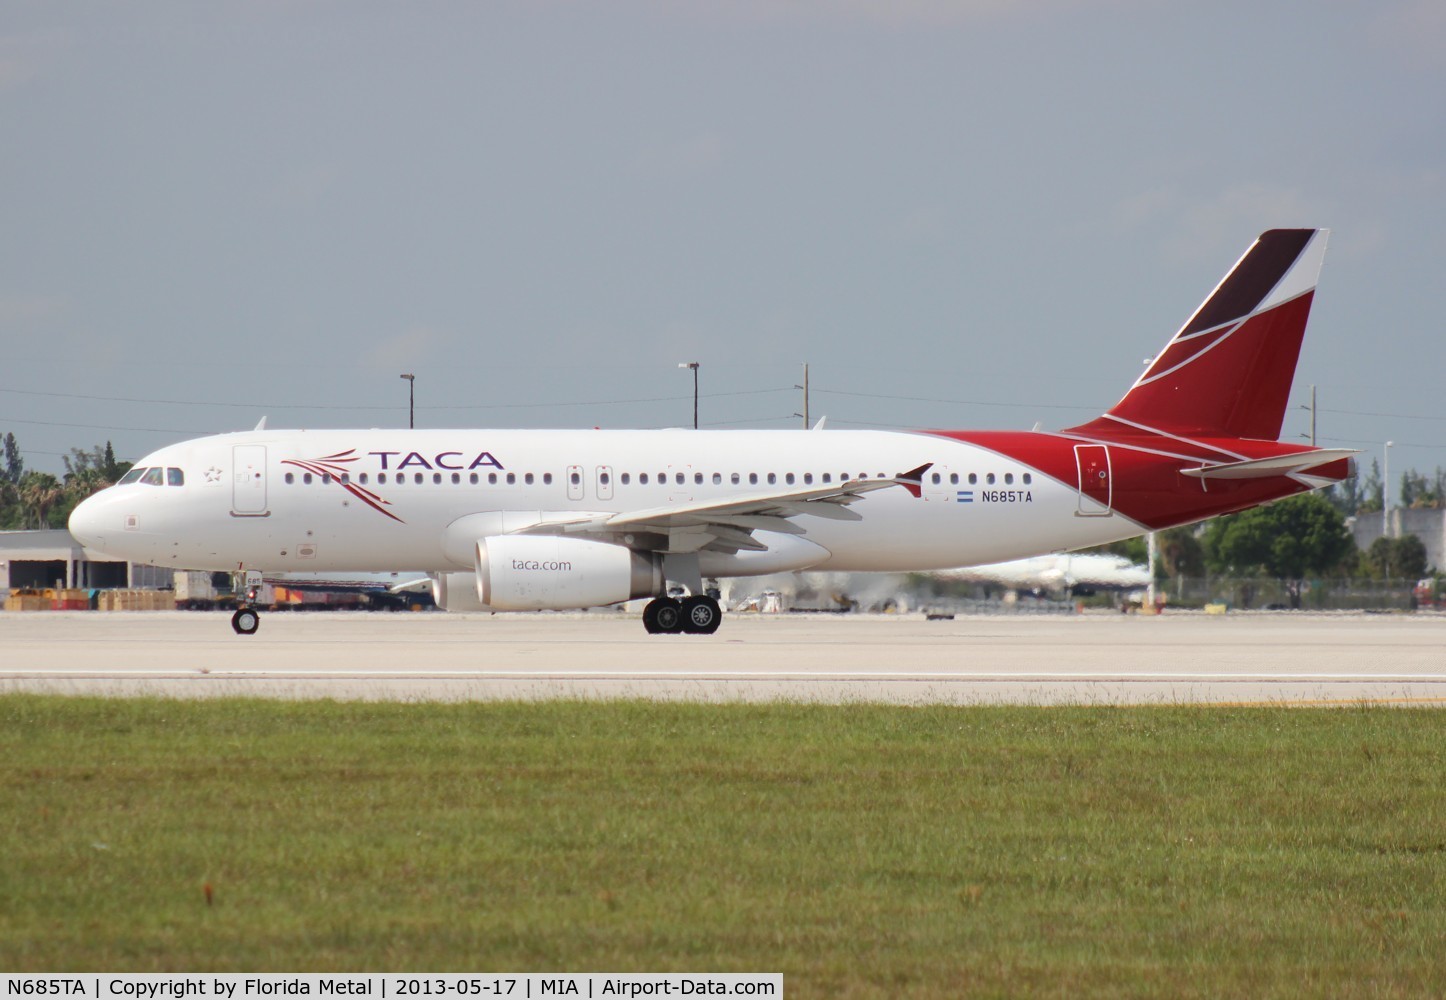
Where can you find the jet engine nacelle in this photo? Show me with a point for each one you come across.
(456, 592)
(553, 573)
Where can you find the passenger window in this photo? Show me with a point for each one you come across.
(772, 478)
(717, 479)
(491, 479)
(131, 476)
(456, 478)
(326, 478)
(752, 479)
(436, 479)
(547, 479)
(175, 477)
(681, 479)
(528, 479)
(953, 479)
(306, 479)
(346, 477)
(603, 478)
(290, 478)
(471, 479)
(735, 479)
(363, 478)
(973, 478)
(828, 477)
(153, 477)
(382, 478)
(417, 478)
(643, 478)
(575, 478)
(989, 479)
(698, 478)
(788, 479)
(511, 479)
(1028, 479)
(808, 479)
(937, 479)
(1009, 479)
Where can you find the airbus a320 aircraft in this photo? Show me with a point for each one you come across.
(544, 519)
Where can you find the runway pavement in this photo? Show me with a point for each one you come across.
(1093, 658)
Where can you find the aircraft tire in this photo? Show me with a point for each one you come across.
(701, 615)
(663, 615)
(245, 621)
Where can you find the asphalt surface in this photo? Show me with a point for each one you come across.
(1099, 658)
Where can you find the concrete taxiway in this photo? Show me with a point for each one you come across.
(1092, 658)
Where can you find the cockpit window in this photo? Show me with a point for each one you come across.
(175, 477)
(131, 476)
(154, 477)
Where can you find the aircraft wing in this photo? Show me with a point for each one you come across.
(728, 525)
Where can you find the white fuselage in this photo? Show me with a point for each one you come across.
(247, 501)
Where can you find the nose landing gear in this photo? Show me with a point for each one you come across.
(246, 621)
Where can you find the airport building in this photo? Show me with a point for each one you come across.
(1427, 525)
(54, 560)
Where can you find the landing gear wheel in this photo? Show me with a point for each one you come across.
(245, 621)
(663, 614)
(701, 615)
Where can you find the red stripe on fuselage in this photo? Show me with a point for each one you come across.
(1148, 487)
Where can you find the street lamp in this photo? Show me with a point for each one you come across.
(411, 400)
(693, 365)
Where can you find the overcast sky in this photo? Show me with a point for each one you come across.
(965, 214)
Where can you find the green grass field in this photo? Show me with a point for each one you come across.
(860, 850)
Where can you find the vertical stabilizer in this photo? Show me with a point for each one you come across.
(1228, 372)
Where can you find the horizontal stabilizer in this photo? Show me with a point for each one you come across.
(1277, 465)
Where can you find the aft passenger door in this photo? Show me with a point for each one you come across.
(1095, 486)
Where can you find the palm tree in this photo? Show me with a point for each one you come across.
(40, 491)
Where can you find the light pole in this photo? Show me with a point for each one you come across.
(693, 365)
(1386, 493)
(411, 400)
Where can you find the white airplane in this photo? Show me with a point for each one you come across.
(1063, 572)
(546, 519)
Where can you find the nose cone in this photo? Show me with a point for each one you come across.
(88, 522)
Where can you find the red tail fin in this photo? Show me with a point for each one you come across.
(1227, 373)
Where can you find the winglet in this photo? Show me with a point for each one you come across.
(913, 480)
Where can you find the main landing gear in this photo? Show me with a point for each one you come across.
(697, 615)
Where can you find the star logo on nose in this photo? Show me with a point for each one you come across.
(213, 475)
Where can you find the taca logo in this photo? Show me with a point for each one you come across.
(452, 461)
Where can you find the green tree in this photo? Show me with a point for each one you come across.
(1289, 540)
(14, 464)
(1372, 493)
(1181, 552)
(1401, 558)
(10, 510)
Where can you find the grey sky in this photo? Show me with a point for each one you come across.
(971, 214)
